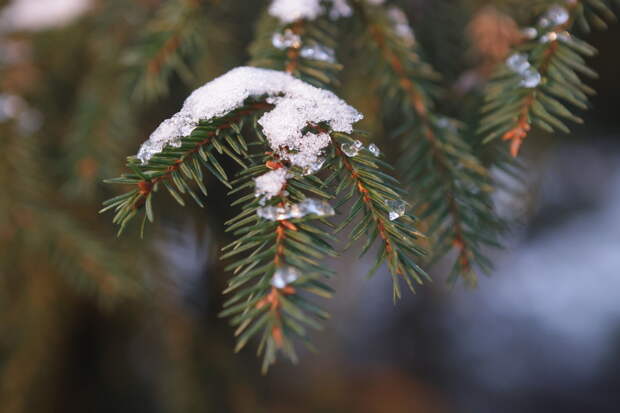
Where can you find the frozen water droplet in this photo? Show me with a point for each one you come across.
(565, 37)
(320, 208)
(352, 149)
(284, 276)
(529, 32)
(286, 40)
(531, 78)
(396, 208)
(315, 166)
(557, 15)
(318, 52)
(549, 37)
(374, 149)
(446, 123)
(517, 62)
(308, 206)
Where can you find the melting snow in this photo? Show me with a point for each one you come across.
(296, 104)
(271, 184)
(289, 11)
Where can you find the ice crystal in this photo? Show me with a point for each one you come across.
(531, 78)
(309, 206)
(284, 276)
(270, 184)
(318, 52)
(518, 63)
(549, 37)
(296, 104)
(396, 208)
(286, 40)
(288, 11)
(530, 32)
(374, 149)
(556, 15)
(351, 149)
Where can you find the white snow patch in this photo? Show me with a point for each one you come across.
(41, 14)
(296, 104)
(288, 11)
(271, 183)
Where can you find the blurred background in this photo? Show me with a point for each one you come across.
(93, 323)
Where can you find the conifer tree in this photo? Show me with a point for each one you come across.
(407, 177)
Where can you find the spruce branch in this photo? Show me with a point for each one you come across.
(277, 265)
(543, 78)
(376, 195)
(293, 48)
(171, 39)
(180, 169)
(446, 178)
(374, 188)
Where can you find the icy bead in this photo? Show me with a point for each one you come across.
(308, 206)
(556, 16)
(286, 40)
(549, 37)
(529, 33)
(396, 208)
(284, 276)
(320, 208)
(374, 149)
(318, 52)
(517, 62)
(315, 166)
(565, 37)
(531, 78)
(351, 149)
(447, 124)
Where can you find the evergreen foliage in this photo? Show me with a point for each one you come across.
(128, 61)
(449, 185)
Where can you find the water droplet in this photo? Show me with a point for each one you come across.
(284, 276)
(318, 52)
(529, 32)
(320, 208)
(374, 149)
(315, 166)
(308, 206)
(556, 16)
(396, 208)
(531, 78)
(286, 40)
(565, 37)
(517, 62)
(549, 37)
(352, 149)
